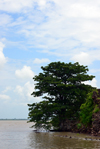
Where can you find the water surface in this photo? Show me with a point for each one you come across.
(16, 134)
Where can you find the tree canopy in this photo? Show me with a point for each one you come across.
(62, 87)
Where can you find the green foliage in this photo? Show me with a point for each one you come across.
(79, 125)
(40, 114)
(61, 85)
(96, 109)
(87, 110)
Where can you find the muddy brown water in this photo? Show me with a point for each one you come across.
(16, 134)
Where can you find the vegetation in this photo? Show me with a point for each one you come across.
(96, 109)
(79, 125)
(61, 85)
(87, 110)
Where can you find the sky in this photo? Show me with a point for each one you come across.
(34, 33)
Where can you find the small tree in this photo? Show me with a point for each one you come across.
(64, 92)
(87, 110)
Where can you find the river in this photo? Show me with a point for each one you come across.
(17, 134)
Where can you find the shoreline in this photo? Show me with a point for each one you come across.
(72, 135)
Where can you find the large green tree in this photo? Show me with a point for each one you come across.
(62, 86)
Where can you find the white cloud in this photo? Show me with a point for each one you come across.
(83, 9)
(93, 83)
(19, 21)
(82, 58)
(39, 61)
(7, 89)
(86, 58)
(68, 25)
(95, 71)
(4, 97)
(62, 25)
(15, 6)
(29, 89)
(41, 2)
(3, 59)
(25, 92)
(19, 90)
(24, 73)
(5, 19)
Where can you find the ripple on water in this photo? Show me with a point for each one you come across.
(18, 135)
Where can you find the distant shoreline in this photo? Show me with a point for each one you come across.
(13, 119)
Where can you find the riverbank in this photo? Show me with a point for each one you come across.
(71, 135)
(78, 136)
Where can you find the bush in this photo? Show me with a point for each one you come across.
(87, 110)
(79, 125)
(96, 109)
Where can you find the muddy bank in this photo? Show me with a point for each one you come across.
(80, 136)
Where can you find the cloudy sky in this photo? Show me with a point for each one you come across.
(34, 33)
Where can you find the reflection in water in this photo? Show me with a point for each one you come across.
(58, 140)
(18, 135)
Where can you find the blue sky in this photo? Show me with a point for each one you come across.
(34, 33)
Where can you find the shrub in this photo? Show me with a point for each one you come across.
(86, 110)
(79, 125)
(96, 109)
